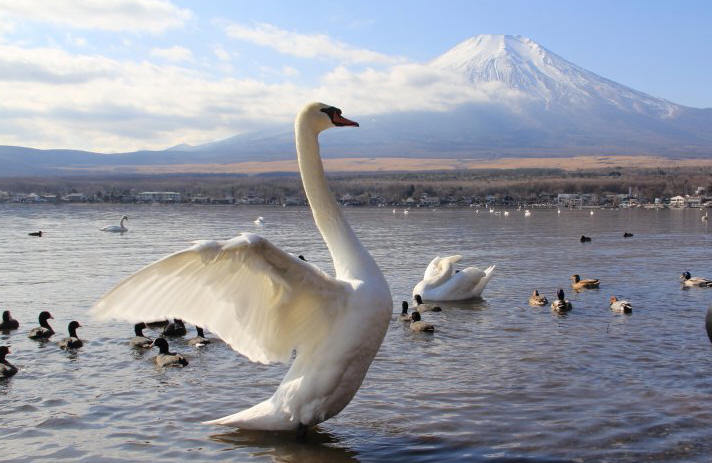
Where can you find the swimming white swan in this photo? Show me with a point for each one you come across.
(267, 303)
(259, 221)
(120, 228)
(442, 283)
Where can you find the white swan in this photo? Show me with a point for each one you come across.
(442, 283)
(527, 213)
(259, 221)
(120, 228)
(267, 303)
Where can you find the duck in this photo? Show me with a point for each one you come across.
(73, 341)
(441, 282)
(560, 304)
(7, 369)
(627, 235)
(8, 323)
(175, 328)
(404, 315)
(585, 239)
(140, 340)
(200, 340)
(422, 307)
(44, 331)
(256, 292)
(620, 306)
(705, 217)
(300, 256)
(165, 358)
(37, 234)
(259, 221)
(537, 299)
(689, 281)
(577, 283)
(120, 228)
(417, 324)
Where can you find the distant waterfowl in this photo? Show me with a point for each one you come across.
(175, 328)
(302, 257)
(394, 210)
(537, 299)
(259, 221)
(405, 211)
(165, 358)
(157, 324)
(8, 323)
(708, 322)
(37, 233)
(527, 213)
(404, 315)
(560, 304)
(267, 303)
(558, 211)
(44, 331)
(442, 283)
(704, 218)
(627, 235)
(620, 306)
(200, 340)
(690, 281)
(506, 213)
(591, 213)
(120, 228)
(73, 341)
(417, 324)
(585, 239)
(140, 340)
(7, 369)
(577, 283)
(423, 307)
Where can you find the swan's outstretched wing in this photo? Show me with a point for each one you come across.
(259, 299)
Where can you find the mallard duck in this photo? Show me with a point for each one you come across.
(200, 340)
(404, 315)
(73, 341)
(585, 239)
(537, 299)
(7, 369)
(627, 235)
(560, 304)
(417, 324)
(422, 307)
(175, 328)
(140, 340)
(690, 281)
(620, 306)
(577, 283)
(166, 358)
(8, 323)
(44, 331)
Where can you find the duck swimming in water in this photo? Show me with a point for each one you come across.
(578, 284)
(689, 281)
(7, 369)
(73, 341)
(175, 328)
(418, 325)
(561, 305)
(404, 315)
(140, 340)
(8, 323)
(37, 234)
(44, 331)
(166, 358)
(200, 340)
(620, 306)
(536, 299)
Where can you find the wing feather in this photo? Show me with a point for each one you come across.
(261, 300)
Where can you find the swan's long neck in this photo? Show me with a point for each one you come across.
(121, 224)
(351, 260)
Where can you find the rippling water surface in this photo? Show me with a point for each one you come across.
(498, 381)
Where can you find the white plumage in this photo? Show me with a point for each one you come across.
(442, 283)
(267, 303)
(120, 228)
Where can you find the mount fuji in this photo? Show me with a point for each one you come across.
(536, 104)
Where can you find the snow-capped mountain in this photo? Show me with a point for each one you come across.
(538, 104)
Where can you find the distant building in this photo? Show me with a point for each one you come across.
(159, 197)
(74, 198)
(677, 201)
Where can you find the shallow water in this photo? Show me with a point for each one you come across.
(498, 381)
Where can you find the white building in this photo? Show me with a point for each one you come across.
(677, 201)
(159, 197)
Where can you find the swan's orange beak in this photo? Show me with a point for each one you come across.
(339, 120)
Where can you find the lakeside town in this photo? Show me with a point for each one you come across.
(700, 198)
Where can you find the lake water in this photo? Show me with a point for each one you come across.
(498, 381)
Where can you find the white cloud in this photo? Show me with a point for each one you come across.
(221, 53)
(76, 41)
(307, 46)
(175, 54)
(114, 15)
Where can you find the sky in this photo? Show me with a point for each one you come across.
(124, 75)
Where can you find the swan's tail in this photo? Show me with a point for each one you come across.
(489, 271)
(264, 416)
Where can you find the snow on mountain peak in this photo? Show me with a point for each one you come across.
(522, 64)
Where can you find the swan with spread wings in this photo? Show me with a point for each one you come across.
(266, 303)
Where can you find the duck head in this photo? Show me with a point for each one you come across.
(4, 350)
(418, 299)
(72, 328)
(200, 331)
(162, 345)
(138, 329)
(575, 278)
(415, 316)
(686, 275)
(560, 294)
(6, 316)
(404, 308)
(44, 316)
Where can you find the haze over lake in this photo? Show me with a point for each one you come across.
(498, 380)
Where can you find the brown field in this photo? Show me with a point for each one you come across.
(415, 165)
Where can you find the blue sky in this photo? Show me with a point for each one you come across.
(120, 75)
